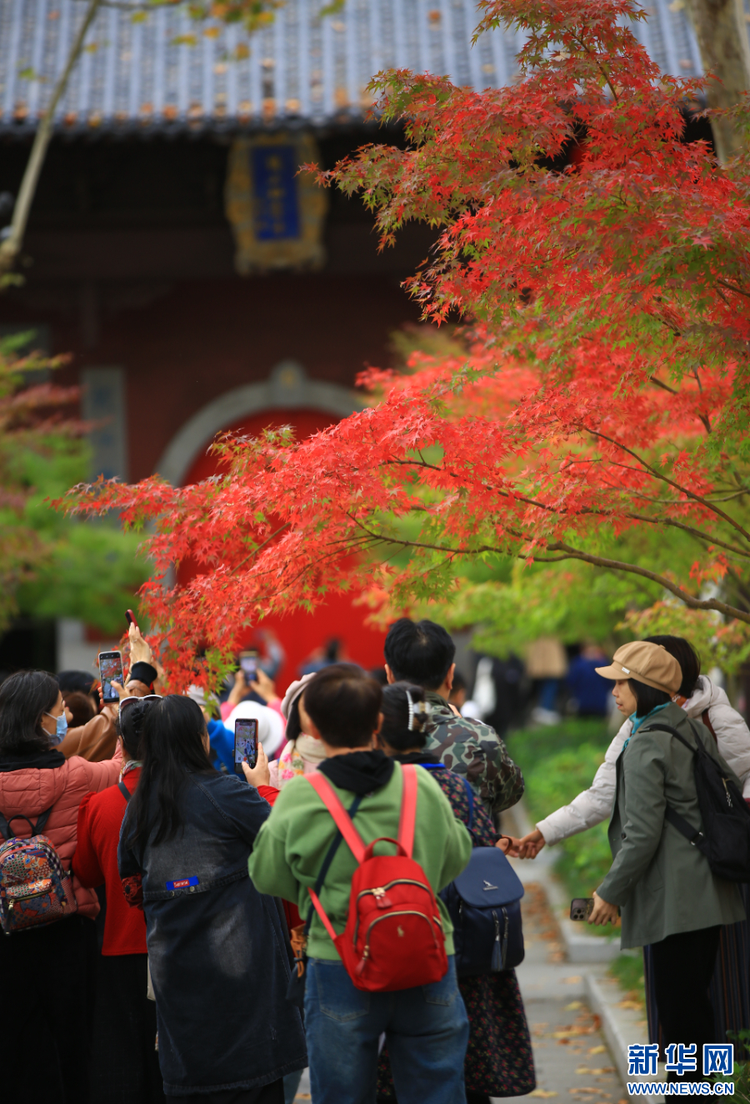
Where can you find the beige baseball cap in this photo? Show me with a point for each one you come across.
(645, 662)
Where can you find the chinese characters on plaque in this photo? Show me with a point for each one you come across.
(275, 211)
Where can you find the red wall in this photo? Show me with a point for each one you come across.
(183, 346)
(301, 632)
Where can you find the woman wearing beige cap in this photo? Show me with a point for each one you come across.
(703, 700)
(663, 887)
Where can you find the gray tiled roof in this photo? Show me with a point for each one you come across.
(137, 74)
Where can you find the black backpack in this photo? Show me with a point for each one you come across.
(725, 839)
(484, 903)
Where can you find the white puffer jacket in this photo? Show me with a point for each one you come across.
(595, 804)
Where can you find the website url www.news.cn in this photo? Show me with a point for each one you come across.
(680, 1088)
(682, 1059)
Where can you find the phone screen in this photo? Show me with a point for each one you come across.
(249, 665)
(245, 743)
(110, 670)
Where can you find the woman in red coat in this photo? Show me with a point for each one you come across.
(125, 1064)
(48, 973)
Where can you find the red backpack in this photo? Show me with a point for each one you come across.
(394, 934)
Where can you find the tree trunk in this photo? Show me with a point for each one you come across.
(11, 247)
(722, 33)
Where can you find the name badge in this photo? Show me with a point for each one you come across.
(183, 883)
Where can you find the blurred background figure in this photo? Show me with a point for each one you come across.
(79, 682)
(80, 707)
(333, 651)
(546, 664)
(303, 753)
(222, 740)
(271, 725)
(590, 694)
(500, 693)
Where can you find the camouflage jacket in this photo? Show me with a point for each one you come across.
(474, 750)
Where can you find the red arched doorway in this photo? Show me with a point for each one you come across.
(300, 632)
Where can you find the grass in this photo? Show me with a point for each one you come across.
(628, 969)
(558, 761)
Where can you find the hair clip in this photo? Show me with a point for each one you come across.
(411, 711)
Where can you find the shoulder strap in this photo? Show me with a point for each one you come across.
(324, 870)
(343, 822)
(470, 795)
(124, 790)
(694, 835)
(322, 914)
(668, 728)
(36, 829)
(408, 816)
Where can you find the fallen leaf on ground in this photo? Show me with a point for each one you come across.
(597, 1050)
(630, 1004)
(573, 1006)
(543, 1092)
(572, 980)
(587, 1069)
(587, 1092)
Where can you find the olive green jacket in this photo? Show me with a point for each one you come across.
(662, 883)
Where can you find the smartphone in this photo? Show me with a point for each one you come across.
(249, 664)
(245, 743)
(110, 670)
(130, 618)
(581, 908)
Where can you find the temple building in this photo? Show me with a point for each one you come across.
(198, 281)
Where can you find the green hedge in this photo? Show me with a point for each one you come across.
(558, 762)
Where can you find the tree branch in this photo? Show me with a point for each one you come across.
(670, 482)
(11, 247)
(570, 553)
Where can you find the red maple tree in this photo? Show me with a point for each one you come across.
(603, 387)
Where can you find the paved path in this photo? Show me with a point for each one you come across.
(573, 1064)
(572, 1061)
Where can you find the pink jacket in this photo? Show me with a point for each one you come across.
(32, 790)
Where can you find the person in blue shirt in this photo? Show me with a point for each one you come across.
(220, 737)
(588, 689)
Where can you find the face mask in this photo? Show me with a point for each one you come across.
(61, 727)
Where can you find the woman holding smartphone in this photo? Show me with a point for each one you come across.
(664, 887)
(217, 948)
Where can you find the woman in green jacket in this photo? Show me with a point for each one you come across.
(663, 886)
(426, 1026)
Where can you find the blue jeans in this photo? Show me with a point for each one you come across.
(426, 1028)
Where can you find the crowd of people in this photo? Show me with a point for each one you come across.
(215, 939)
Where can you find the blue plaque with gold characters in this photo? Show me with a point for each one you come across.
(275, 211)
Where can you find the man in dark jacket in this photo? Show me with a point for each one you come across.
(422, 652)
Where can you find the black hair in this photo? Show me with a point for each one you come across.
(459, 682)
(293, 721)
(420, 652)
(130, 726)
(172, 747)
(79, 681)
(395, 730)
(24, 699)
(687, 657)
(647, 697)
(80, 706)
(344, 705)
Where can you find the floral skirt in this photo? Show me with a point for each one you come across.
(499, 1059)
